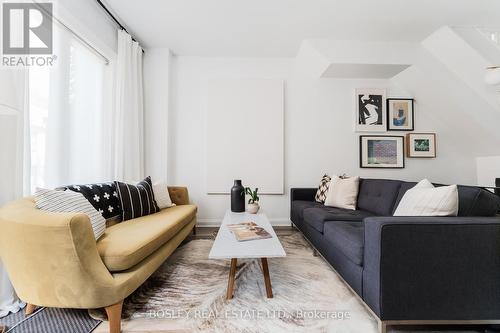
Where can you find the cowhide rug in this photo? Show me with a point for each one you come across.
(189, 290)
(188, 294)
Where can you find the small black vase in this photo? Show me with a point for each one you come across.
(237, 197)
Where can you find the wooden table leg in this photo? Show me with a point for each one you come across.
(267, 278)
(230, 282)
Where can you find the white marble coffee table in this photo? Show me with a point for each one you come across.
(227, 247)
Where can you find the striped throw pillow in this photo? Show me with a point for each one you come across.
(136, 200)
(55, 201)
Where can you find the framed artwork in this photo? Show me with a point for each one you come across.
(383, 151)
(370, 110)
(400, 114)
(421, 145)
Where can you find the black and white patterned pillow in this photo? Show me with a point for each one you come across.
(324, 184)
(136, 200)
(103, 196)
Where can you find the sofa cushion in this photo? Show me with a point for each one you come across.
(55, 201)
(343, 192)
(405, 186)
(347, 237)
(378, 195)
(298, 207)
(316, 217)
(103, 196)
(472, 201)
(486, 204)
(136, 200)
(324, 184)
(426, 199)
(162, 197)
(127, 243)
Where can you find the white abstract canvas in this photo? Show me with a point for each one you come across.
(244, 134)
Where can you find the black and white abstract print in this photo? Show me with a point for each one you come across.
(370, 109)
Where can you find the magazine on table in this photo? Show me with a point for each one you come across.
(246, 231)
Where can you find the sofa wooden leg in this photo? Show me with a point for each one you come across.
(315, 253)
(30, 308)
(194, 231)
(114, 313)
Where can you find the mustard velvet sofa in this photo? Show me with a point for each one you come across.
(53, 259)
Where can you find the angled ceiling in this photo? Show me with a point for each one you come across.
(260, 28)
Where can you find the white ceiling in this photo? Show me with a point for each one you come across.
(277, 27)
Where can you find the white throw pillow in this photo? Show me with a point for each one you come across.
(426, 200)
(162, 197)
(343, 193)
(70, 202)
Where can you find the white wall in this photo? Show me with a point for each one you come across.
(186, 154)
(488, 169)
(319, 133)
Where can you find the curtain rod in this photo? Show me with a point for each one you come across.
(116, 20)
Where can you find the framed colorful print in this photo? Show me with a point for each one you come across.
(383, 151)
(421, 145)
(370, 110)
(400, 114)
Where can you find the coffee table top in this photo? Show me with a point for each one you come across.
(226, 246)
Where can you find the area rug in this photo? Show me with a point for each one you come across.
(51, 320)
(189, 290)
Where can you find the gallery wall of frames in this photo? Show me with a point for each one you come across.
(383, 117)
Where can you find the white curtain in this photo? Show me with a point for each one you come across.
(128, 111)
(9, 302)
(75, 136)
(64, 130)
(14, 160)
(52, 125)
(68, 117)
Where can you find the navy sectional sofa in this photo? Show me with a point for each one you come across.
(410, 270)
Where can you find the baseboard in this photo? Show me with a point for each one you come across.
(201, 222)
(216, 222)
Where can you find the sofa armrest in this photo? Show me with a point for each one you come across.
(179, 195)
(306, 194)
(432, 268)
(52, 258)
